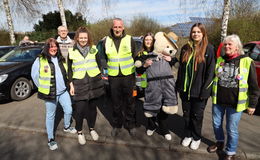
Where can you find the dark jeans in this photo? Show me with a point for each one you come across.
(88, 109)
(121, 89)
(193, 111)
(161, 118)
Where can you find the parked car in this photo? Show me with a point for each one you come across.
(252, 49)
(5, 49)
(15, 72)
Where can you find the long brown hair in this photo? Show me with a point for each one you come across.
(83, 30)
(200, 49)
(45, 52)
(144, 48)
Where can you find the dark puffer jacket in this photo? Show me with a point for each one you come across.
(202, 78)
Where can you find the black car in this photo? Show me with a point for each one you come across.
(5, 49)
(15, 72)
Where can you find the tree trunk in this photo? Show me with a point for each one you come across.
(225, 19)
(62, 13)
(9, 21)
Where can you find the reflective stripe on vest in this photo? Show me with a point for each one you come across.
(45, 77)
(141, 79)
(121, 59)
(81, 65)
(244, 67)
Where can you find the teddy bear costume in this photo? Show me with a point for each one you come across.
(160, 94)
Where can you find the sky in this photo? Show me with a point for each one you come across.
(165, 12)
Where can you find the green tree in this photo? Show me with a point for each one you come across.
(52, 20)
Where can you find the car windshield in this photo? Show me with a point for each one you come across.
(21, 55)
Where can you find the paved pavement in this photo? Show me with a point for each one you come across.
(249, 142)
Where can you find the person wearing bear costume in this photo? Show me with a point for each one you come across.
(194, 82)
(160, 95)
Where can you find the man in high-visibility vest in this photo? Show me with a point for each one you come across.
(119, 50)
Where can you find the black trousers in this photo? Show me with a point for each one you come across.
(161, 119)
(193, 112)
(86, 109)
(121, 89)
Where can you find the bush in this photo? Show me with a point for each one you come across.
(141, 25)
(247, 28)
(4, 40)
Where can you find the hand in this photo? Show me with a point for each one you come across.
(148, 62)
(72, 89)
(250, 111)
(167, 58)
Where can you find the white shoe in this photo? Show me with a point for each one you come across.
(195, 144)
(168, 137)
(149, 132)
(186, 141)
(52, 145)
(94, 135)
(81, 139)
(70, 130)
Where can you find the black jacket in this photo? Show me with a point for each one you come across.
(202, 78)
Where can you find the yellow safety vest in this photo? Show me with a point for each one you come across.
(81, 65)
(45, 76)
(244, 67)
(141, 79)
(119, 60)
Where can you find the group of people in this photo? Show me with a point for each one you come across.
(68, 71)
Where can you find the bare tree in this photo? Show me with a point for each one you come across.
(9, 21)
(225, 14)
(62, 13)
(27, 8)
(225, 19)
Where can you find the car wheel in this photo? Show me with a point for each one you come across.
(21, 89)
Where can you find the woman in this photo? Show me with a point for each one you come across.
(194, 79)
(86, 85)
(49, 75)
(160, 90)
(234, 90)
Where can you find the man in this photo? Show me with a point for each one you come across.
(119, 50)
(64, 41)
(25, 41)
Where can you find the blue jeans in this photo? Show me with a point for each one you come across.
(232, 121)
(65, 101)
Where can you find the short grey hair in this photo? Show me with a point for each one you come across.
(235, 38)
(60, 27)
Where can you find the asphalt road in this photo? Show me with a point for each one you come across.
(23, 137)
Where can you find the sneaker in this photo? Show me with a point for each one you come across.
(186, 141)
(149, 132)
(168, 137)
(81, 138)
(115, 132)
(94, 135)
(195, 144)
(70, 130)
(52, 145)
